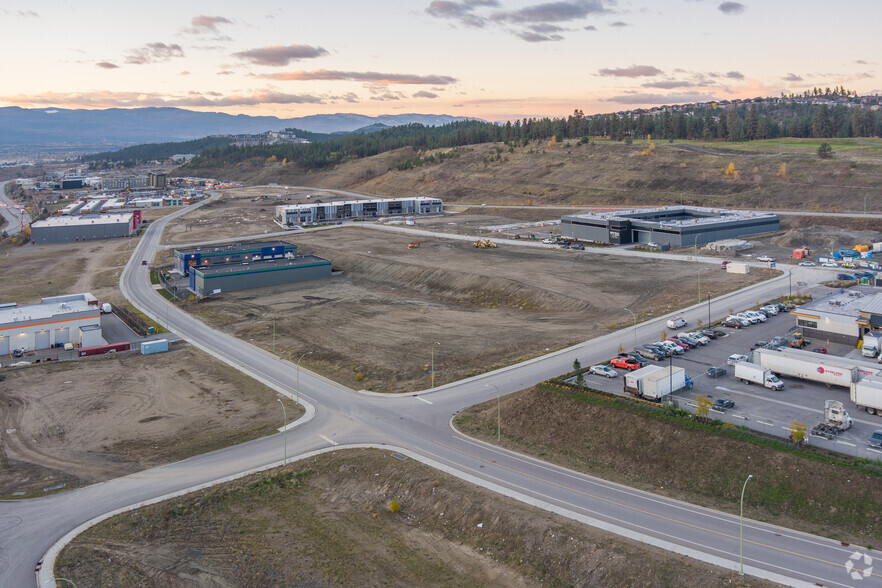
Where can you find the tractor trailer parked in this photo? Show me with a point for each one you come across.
(834, 371)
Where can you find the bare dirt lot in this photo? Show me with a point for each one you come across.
(374, 326)
(240, 211)
(84, 421)
(327, 522)
(30, 272)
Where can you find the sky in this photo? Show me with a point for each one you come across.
(492, 59)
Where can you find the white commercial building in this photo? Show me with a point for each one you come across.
(75, 318)
(319, 212)
(72, 229)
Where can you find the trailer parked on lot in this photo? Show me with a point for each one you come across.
(102, 349)
(655, 382)
(834, 371)
(757, 374)
(867, 394)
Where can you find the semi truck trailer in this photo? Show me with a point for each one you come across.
(817, 367)
(867, 394)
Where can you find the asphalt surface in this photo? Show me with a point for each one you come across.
(419, 424)
(9, 211)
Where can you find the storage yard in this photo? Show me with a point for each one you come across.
(77, 423)
(486, 307)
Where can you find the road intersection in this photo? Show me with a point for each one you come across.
(418, 425)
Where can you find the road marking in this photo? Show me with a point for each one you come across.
(332, 442)
(421, 399)
(642, 511)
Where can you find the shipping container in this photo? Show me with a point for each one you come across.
(102, 349)
(738, 268)
(158, 346)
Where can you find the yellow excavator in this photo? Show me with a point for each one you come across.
(484, 244)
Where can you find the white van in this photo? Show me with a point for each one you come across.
(676, 322)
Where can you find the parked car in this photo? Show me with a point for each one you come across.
(770, 308)
(664, 352)
(669, 346)
(844, 277)
(690, 338)
(732, 323)
(709, 333)
(625, 363)
(638, 358)
(759, 344)
(735, 358)
(751, 320)
(725, 264)
(756, 314)
(677, 342)
(716, 372)
(829, 264)
(548, 241)
(703, 339)
(777, 341)
(766, 258)
(692, 343)
(807, 263)
(649, 353)
(723, 404)
(820, 350)
(875, 440)
(603, 370)
(578, 246)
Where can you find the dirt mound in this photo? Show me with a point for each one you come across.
(824, 237)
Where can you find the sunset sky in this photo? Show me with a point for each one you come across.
(493, 59)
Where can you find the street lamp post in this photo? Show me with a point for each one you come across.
(274, 334)
(298, 374)
(635, 326)
(433, 362)
(285, 432)
(741, 533)
(498, 412)
(708, 311)
(695, 258)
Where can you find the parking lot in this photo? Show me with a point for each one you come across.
(758, 407)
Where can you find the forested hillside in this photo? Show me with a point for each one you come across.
(819, 114)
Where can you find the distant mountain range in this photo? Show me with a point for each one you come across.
(120, 127)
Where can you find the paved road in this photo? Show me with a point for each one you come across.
(10, 211)
(419, 423)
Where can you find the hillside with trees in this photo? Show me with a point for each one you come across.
(820, 114)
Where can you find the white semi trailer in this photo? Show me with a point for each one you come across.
(818, 367)
(867, 394)
(655, 382)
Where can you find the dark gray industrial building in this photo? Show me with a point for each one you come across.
(677, 226)
(70, 229)
(232, 254)
(255, 274)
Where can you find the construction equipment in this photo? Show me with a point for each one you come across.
(484, 244)
(836, 420)
(799, 341)
(414, 244)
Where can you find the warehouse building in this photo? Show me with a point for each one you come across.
(676, 226)
(265, 272)
(75, 318)
(842, 316)
(232, 254)
(70, 229)
(320, 212)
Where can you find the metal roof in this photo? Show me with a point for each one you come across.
(86, 219)
(48, 308)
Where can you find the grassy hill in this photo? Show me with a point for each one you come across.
(780, 173)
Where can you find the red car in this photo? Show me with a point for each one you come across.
(626, 363)
(820, 350)
(682, 345)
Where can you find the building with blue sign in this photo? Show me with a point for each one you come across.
(232, 254)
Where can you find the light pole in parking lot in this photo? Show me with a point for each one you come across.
(695, 258)
(635, 327)
(298, 374)
(708, 311)
(285, 432)
(741, 531)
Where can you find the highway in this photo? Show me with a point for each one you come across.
(419, 425)
(10, 211)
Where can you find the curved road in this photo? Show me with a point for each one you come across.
(10, 211)
(419, 424)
